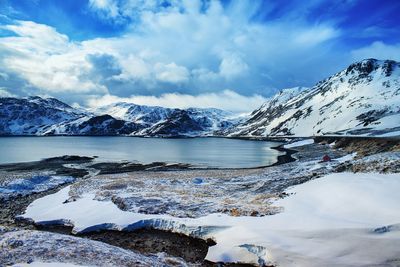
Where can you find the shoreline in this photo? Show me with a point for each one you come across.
(281, 159)
(157, 240)
(18, 205)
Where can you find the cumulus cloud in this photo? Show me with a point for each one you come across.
(171, 72)
(172, 51)
(46, 59)
(226, 100)
(232, 65)
(239, 53)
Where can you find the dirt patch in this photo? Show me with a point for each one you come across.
(286, 158)
(364, 146)
(123, 167)
(55, 165)
(151, 241)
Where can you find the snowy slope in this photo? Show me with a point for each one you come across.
(363, 99)
(146, 115)
(91, 125)
(28, 116)
(49, 116)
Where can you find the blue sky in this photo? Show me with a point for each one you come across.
(228, 54)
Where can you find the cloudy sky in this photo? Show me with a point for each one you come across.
(229, 54)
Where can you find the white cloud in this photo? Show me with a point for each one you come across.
(117, 11)
(235, 54)
(378, 50)
(108, 6)
(46, 59)
(185, 47)
(315, 35)
(226, 100)
(232, 65)
(171, 73)
(34, 37)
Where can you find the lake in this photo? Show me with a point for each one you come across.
(206, 152)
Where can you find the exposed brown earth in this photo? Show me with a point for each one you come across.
(364, 146)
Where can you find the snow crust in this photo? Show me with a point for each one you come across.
(342, 219)
(300, 143)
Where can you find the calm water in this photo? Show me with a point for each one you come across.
(210, 152)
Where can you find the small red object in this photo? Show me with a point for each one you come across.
(326, 158)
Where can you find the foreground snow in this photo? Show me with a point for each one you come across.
(300, 143)
(34, 184)
(17, 248)
(340, 219)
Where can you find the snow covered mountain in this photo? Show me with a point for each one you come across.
(159, 121)
(145, 115)
(363, 99)
(49, 116)
(27, 116)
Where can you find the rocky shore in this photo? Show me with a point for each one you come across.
(177, 190)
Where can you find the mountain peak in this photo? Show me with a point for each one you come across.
(366, 66)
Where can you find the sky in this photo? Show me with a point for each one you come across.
(229, 54)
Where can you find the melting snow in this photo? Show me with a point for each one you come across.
(300, 143)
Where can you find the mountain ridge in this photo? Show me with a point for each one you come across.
(49, 116)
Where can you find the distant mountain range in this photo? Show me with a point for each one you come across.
(49, 116)
(363, 99)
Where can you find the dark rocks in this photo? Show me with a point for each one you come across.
(153, 241)
(15, 243)
(372, 116)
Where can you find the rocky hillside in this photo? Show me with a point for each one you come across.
(363, 99)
